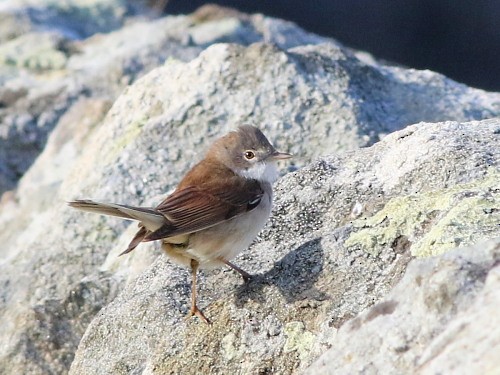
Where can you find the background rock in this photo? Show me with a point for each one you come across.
(49, 59)
(459, 39)
(343, 230)
(41, 84)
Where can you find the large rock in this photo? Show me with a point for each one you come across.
(317, 265)
(442, 318)
(38, 40)
(50, 59)
(47, 65)
(420, 191)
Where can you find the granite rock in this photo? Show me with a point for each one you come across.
(440, 319)
(55, 53)
(313, 273)
(120, 116)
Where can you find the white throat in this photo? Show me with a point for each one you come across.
(265, 172)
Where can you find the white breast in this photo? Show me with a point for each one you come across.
(228, 239)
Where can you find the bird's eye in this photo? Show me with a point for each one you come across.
(249, 155)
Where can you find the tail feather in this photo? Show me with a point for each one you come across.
(150, 218)
(139, 236)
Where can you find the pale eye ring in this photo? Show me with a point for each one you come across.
(249, 154)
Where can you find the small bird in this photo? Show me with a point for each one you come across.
(215, 212)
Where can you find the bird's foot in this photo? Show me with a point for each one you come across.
(244, 274)
(196, 311)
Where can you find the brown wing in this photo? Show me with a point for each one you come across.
(195, 208)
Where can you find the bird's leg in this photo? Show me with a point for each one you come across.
(246, 276)
(194, 309)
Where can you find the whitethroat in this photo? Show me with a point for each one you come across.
(217, 209)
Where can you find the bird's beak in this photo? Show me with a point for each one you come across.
(280, 155)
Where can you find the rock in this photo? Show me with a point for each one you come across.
(46, 64)
(46, 70)
(440, 319)
(311, 276)
(76, 19)
(41, 84)
(300, 94)
(343, 230)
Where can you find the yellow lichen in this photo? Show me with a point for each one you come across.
(130, 134)
(298, 339)
(445, 219)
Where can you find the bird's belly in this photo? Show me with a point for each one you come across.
(223, 241)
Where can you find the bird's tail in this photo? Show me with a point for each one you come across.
(149, 217)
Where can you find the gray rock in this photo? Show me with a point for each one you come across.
(43, 73)
(442, 318)
(50, 60)
(56, 68)
(316, 266)
(304, 94)
(343, 228)
(75, 19)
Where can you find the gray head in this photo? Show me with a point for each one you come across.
(248, 152)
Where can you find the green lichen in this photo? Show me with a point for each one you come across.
(131, 133)
(172, 61)
(436, 221)
(298, 339)
(36, 52)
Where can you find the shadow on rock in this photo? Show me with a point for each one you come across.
(294, 275)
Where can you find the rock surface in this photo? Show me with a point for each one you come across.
(49, 61)
(52, 55)
(343, 229)
(442, 318)
(316, 267)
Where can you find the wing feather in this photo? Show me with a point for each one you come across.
(195, 208)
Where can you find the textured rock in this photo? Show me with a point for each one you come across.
(46, 66)
(49, 60)
(306, 93)
(442, 318)
(37, 87)
(343, 229)
(311, 276)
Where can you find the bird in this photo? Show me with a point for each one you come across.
(215, 212)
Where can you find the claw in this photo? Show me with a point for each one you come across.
(196, 311)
